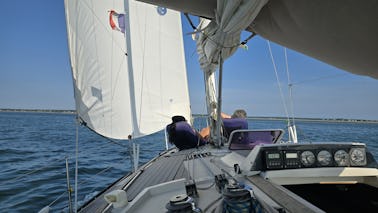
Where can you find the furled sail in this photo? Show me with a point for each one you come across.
(220, 37)
(131, 82)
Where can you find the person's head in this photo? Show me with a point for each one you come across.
(178, 118)
(239, 113)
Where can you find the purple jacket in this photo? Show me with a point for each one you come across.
(231, 124)
(184, 136)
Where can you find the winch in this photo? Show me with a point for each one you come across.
(181, 203)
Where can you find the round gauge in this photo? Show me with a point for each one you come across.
(341, 158)
(307, 158)
(358, 157)
(324, 158)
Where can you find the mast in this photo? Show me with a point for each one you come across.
(130, 71)
(219, 109)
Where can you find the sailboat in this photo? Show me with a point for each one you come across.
(129, 78)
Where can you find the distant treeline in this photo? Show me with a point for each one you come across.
(308, 119)
(40, 110)
(201, 115)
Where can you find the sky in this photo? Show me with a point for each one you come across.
(35, 72)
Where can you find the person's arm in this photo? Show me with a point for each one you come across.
(224, 115)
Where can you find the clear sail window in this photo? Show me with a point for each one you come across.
(248, 139)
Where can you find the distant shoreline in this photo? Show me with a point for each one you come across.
(330, 120)
(335, 120)
(63, 111)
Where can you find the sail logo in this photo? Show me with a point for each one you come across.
(161, 11)
(117, 21)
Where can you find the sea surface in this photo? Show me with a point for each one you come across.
(34, 148)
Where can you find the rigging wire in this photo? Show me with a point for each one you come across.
(320, 78)
(291, 125)
(277, 78)
(53, 165)
(31, 172)
(220, 47)
(58, 198)
(292, 132)
(290, 88)
(76, 163)
(84, 181)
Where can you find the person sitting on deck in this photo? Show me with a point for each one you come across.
(183, 135)
(230, 123)
(236, 121)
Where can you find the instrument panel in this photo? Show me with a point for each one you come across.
(293, 156)
(282, 159)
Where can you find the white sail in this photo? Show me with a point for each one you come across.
(119, 93)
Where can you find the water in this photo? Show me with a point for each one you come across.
(33, 148)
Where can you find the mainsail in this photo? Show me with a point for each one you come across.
(127, 83)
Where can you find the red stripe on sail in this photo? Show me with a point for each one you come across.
(111, 22)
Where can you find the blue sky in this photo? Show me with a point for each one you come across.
(35, 72)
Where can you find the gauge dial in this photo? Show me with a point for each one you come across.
(358, 156)
(324, 158)
(307, 158)
(341, 158)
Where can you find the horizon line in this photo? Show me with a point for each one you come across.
(73, 111)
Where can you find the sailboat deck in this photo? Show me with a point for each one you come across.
(152, 186)
(164, 169)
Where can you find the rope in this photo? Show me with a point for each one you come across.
(209, 172)
(248, 38)
(230, 206)
(240, 200)
(211, 204)
(83, 123)
(238, 206)
(190, 21)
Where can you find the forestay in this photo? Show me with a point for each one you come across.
(127, 83)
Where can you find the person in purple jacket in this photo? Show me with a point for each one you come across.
(183, 135)
(238, 120)
(230, 123)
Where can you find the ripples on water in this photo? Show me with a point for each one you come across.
(33, 148)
